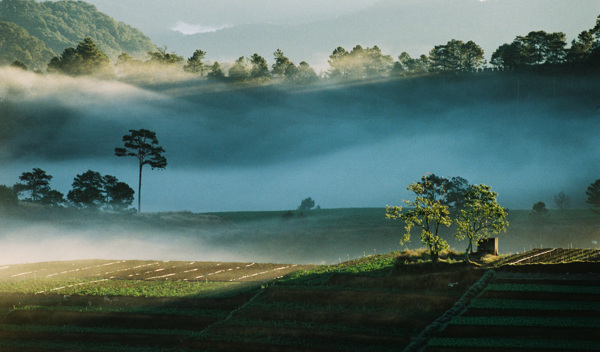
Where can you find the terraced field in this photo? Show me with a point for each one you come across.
(389, 302)
(371, 304)
(551, 256)
(529, 307)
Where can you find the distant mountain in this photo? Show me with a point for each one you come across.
(17, 45)
(414, 26)
(64, 24)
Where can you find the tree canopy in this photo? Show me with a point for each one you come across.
(16, 45)
(34, 185)
(86, 59)
(94, 191)
(143, 145)
(425, 213)
(480, 217)
(62, 24)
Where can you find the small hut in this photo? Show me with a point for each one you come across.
(488, 246)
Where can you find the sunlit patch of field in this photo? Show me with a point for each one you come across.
(136, 278)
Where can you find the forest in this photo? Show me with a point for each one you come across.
(34, 35)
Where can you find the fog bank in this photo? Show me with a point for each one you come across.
(266, 148)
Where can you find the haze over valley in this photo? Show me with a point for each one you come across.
(517, 109)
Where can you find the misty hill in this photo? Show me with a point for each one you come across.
(63, 24)
(395, 26)
(17, 44)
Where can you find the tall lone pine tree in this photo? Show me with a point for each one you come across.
(143, 145)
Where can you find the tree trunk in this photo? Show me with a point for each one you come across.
(434, 259)
(469, 250)
(140, 190)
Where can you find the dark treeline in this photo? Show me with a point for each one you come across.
(91, 190)
(535, 50)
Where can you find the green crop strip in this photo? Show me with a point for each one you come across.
(336, 308)
(533, 305)
(77, 346)
(190, 312)
(544, 288)
(345, 328)
(92, 330)
(304, 306)
(310, 343)
(374, 266)
(506, 343)
(115, 287)
(555, 322)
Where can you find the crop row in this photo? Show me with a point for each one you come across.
(374, 266)
(308, 341)
(191, 312)
(304, 306)
(560, 322)
(37, 345)
(147, 270)
(508, 343)
(551, 256)
(518, 304)
(544, 288)
(114, 287)
(91, 330)
(321, 326)
(519, 256)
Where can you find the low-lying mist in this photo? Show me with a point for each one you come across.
(235, 147)
(50, 235)
(326, 236)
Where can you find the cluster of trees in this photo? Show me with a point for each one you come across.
(85, 59)
(91, 190)
(537, 48)
(439, 202)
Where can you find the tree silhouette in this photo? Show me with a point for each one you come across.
(306, 204)
(143, 145)
(36, 183)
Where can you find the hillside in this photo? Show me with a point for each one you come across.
(64, 24)
(391, 302)
(17, 44)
